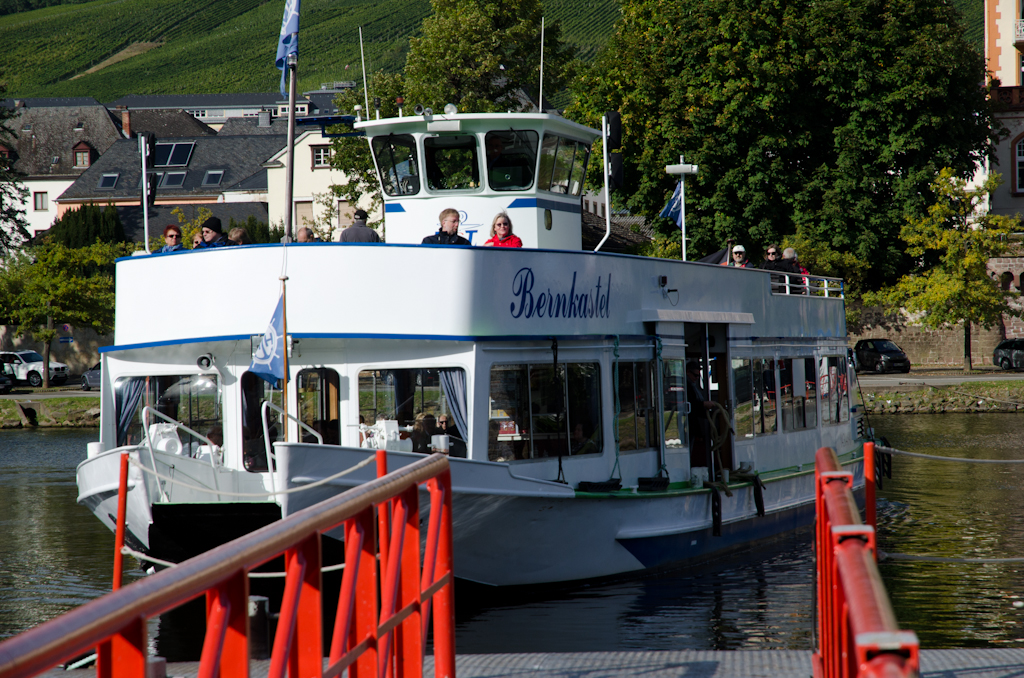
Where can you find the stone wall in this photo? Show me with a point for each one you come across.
(79, 355)
(939, 348)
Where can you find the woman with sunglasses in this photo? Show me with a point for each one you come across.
(172, 239)
(501, 233)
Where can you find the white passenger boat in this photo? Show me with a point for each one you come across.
(561, 371)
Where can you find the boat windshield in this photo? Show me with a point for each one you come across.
(563, 164)
(511, 159)
(396, 164)
(451, 162)
(192, 399)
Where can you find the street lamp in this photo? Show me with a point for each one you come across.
(682, 169)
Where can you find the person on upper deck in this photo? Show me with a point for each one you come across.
(239, 236)
(739, 257)
(449, 233)
(305, 234)
(213, 234)
(359, 231)
(501, 233)
(172, 239)
(796, 285)
(774, 262)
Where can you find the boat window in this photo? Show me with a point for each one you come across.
(673, 418)
(764, 412)
(563, 163)
(396, 164)
(637, 418)
(256, 391)
(743, 392)
(511, 159)
(835, 395)
(799, 382)
(318, 405)
(544, 411)
(416, 398)
(451, 162)
(193, 400)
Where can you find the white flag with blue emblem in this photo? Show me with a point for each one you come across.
(289, 41)
(268, 361)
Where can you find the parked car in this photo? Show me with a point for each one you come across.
(28, 366)
(880, 355)
(1009, 354)
(91, 379)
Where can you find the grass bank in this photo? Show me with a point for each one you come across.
(50, 412)
(979, 396)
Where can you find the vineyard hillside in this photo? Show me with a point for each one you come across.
(227, 45)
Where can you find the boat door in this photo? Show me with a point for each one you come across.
(711, 446)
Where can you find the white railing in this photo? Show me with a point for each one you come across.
(267, 405)
(146, 411)
(813, 285)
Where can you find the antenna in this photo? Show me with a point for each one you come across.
(540, 99)
(366, 91)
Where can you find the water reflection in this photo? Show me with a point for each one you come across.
(955, 510)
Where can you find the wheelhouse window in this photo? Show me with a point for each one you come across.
(416, 398)
(318, 405)
(451, 162)
(193, 400)
(563, 164)
(637, 420)
(255, 392)
(543, 410)
(397, 166)
(511, 159)
(799, 383)
(834, 390)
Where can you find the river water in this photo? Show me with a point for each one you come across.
(54, 556)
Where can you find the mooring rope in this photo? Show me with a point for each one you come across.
(259, 575)
(257, 495)
(937, 457)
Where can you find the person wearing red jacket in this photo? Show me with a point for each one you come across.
(501, 233)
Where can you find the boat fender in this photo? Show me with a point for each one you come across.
(612, 485)
(755, 479)
(652, 484)
(716, 510)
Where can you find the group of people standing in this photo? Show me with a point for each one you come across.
(775, 259)
(501, 231)
(210, 234)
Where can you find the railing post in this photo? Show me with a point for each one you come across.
(444, 600)
(366, 613)
(409, 634)
(307, 649)
(869, 485)
(122, 510)
(123, 655)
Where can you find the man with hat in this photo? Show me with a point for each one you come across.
(359, 231)
(739, 257)
(213, 234)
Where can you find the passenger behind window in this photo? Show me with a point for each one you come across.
(501, 232)
(449, 233)
(456, 442)
(423, 428)
(582, 443)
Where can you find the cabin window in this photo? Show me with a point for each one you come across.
(743, 392)
(544, 411)
(255, 392)
(397, 164)
(191, 399)
(834, 390)
(563, 164)
(799, 384)
(451, 163)
(673, 417)
(416, 398)
(318, 405)
(763, 409)
(638, 428)
(511, 159)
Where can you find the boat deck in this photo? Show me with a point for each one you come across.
(966, 663)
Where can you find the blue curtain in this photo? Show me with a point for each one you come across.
(127, 399)
(453, 381)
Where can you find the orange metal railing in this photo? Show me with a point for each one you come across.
(366, 640)
(857, 630)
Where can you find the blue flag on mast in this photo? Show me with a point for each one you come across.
(268, 361)
(672, 209)
(289, 40)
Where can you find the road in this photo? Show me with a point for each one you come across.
(935, 378)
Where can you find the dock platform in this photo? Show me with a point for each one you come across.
(964, 663)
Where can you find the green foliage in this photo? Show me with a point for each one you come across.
(15, 6)
(478, 55)
(829, 118)
(189, 227)
(13, 226)
(86, 225)
(957, 288)
(258, 230)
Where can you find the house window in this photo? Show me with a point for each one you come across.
(82, 158)
(304, 213)
(174, 155)
(344, 214)
(109, 180)
(213, 177)
(321, 156)
(173, 179)
(41, 201)
(79, 126)
(1020, 165)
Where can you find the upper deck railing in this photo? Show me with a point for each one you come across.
(363, 633)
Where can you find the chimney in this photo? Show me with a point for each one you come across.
(126, 122)
(264, 118)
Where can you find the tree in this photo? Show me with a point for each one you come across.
(86, 225)
(13, 195)
(830, 116)
(480, 55)
(258, 230)
(63, 285)
(957, 288)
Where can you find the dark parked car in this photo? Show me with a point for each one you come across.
(91, 379)
(1009, 354)
(880, 355)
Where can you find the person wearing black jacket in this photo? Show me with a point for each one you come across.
(774, 262)
(449, 233)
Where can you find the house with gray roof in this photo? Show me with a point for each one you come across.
(188, 170)
(53, 145)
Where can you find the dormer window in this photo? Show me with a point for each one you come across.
(82, 158)
(109, 181)
(55, 160)
(174, 155)
(79, 126)
(213, 178)
(27, 127)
